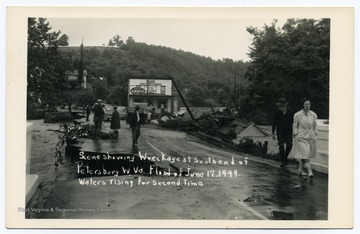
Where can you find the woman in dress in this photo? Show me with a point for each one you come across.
(115, 121)
(305, 135)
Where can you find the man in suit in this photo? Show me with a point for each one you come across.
(99, 114)
(282, 125)
(135, 120)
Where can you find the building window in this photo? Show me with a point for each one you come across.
(162, 103)
(138, 100)
(162, 90)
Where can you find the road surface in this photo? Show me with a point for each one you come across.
(197, 181)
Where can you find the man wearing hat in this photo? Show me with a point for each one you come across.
(136, 120)
(99, 114)
(282, 125)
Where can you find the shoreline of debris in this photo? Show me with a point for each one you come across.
(223, 127)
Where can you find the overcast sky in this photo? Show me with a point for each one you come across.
(215, 38)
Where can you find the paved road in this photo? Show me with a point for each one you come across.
(260, 185)
(248, 188)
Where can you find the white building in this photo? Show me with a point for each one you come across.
(155, 92)
(74, 76)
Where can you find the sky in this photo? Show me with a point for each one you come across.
(215, 38)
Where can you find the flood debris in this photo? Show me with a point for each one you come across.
(258, 199)
(223, 122)
(221, 126)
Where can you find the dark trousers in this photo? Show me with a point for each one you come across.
(135, 133)
(97, 127)
(284, 139)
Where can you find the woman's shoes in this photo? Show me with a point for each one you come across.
(311, 175)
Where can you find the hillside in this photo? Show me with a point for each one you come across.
(198, 76)
(292, 62)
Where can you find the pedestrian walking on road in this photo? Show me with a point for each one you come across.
(99, 114)
(305, 136)
(115, 121)
(88, 110)
(135, 120)
(283, 126)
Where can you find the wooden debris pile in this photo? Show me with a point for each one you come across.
(220, 122)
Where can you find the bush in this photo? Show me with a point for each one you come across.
(69, 133)
(248, 146)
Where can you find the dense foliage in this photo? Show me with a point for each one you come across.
(292, 62)
(198, 77)
(64, 40)
(69, 133)
(46, 67)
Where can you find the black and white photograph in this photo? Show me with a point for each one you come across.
(178, 118)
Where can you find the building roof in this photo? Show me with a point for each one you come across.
(149, 78)
(150, 95)
(253, 130)
(76, 72)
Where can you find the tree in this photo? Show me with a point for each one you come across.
(118, 65)
(81, 66)
(101, 89)
(223, 95)
(129, 43)
(116, 41)
(111, 43)
(292, 61)
(118, 94)
(64, 40)
(93, 52)
(196, 95)
(46, 65)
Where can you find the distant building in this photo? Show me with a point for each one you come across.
(154, 92)
(252, 131)
(74, 77)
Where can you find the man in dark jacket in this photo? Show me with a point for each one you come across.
(282, 125)
(99, 114)
(135, 120)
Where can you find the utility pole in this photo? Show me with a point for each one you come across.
(238, 88)
(147, 91)
(81, 65)
(183, 99)
(235, 93)
(235, 100)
